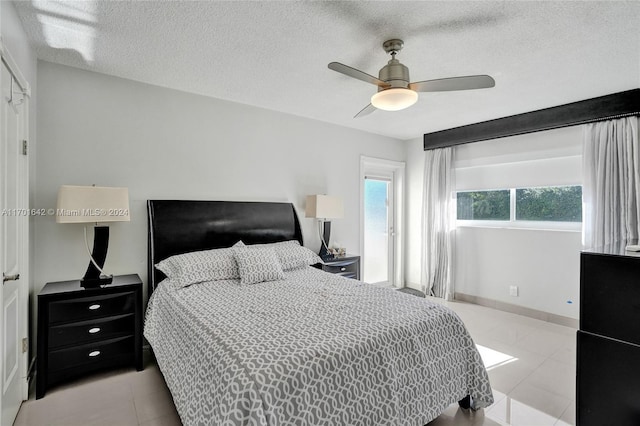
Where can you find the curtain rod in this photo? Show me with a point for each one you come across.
(608, 107)
(611, 117)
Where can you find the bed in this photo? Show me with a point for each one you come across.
(311, 348)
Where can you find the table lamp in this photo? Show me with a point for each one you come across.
(94, 204)
(323, 207)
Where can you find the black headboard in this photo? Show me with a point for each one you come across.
(177, 226)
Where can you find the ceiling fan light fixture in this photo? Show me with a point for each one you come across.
(394, 99)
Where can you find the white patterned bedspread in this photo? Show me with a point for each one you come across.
(313, 349)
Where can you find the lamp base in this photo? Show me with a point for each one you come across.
(326, 234)
(94, 278)
(96, 282)
(327, 257)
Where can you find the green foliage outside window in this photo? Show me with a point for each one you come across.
(483, 205)
(554, 204)
(548, 204)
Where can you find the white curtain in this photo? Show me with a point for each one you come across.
(611, 190)
(438, 223)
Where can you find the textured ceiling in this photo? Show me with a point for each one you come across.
(274, 54)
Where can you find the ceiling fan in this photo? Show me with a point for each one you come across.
(395, 92)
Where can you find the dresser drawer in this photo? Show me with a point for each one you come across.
(609, 296)
(607, 381)
(91, 353)
(91, 307)
(92, 330)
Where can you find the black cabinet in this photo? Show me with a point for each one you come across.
(608, 378)
(83, 330)
(347, 266)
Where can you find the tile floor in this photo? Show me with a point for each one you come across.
(531, 365)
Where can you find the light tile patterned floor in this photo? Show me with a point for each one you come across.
(531, 365)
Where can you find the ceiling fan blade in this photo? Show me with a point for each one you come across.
(454, 83)
(365, 111)
(360, 75)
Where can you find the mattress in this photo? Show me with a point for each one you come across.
(312, 349)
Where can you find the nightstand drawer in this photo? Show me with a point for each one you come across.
(352, 275)
(342, 268)
(347, 266)
(92, 330)
(90, 353)
(91, 307)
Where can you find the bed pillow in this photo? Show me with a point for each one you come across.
(258, 264)
(199, 266)
(292, 255)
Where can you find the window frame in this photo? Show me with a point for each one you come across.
(512, 223)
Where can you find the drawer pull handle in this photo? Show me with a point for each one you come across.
(343, 269)
(94, 330)
(94, 307)
(94, 353)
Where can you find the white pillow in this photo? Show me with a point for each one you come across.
(291, 254)
(258, 264)
(199, 266)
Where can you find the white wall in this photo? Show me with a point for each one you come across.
(165, 144)
(544, 264)
(15, 40)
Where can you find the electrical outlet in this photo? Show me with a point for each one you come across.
(513, 290)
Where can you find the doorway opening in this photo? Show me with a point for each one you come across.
(381, 225)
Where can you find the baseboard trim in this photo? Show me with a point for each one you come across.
(516, 309)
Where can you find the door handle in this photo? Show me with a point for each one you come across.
(14, 277)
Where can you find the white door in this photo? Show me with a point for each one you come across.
(13, 247)
(381, 225)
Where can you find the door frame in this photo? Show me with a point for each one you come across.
(23, 199)
(371, 165)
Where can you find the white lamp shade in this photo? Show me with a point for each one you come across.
(86, 204)
(324, 207)
(394, 99)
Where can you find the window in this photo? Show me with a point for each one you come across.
(522, 207)
(550, 204)
(484, 205)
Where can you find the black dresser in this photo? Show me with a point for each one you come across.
(608, 363)
(83, 330)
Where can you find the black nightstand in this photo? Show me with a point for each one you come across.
(347, 266)
(82, 330)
